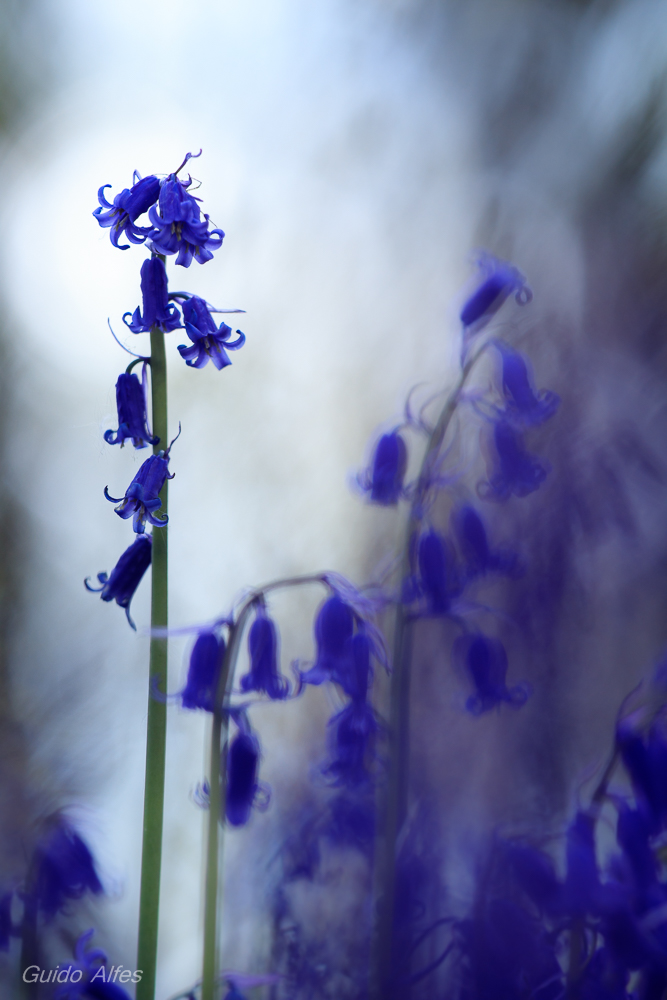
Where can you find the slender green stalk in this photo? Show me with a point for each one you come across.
(393, 806)
(218, 782)
(156, 730)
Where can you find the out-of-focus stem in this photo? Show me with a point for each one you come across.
(394, 805)
(156, 729)
(218, 781)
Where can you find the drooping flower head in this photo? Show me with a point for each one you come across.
(205, 664)
(436, 582)
(523, 407)
(478, 556)
(515, 470)
(334, 626)
(179, 227)
(485, 661)
(383, 482)
(242, 771)
(120, 217)
(264, 674)
(158, 310)
(499, 281)
(63, 868)
(132, 416)
(352, 730)
(126, 575)
(141, 498)
(209, 342)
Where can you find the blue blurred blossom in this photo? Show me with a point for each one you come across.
(514, 470)
(242, 775)
(498, 281)
(485, 661)
(203, 671)
(63, 868)
(383, 481)
(264, 674)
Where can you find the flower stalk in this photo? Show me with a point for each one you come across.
(393, 805)
(156, 732)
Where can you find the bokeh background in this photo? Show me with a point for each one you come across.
(355, 155)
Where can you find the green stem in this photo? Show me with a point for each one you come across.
(394, 804)
(218, 779)
(156, 730)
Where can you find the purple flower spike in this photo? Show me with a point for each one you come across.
(179, 227)
(242, 786)
(334, 626)
(209, 342)
(516, 471)
(127, 206)
(132, 418)
(126, 575)
(64, 868)
(524, 407)
(264, 674)
(205, 662)
(486, 663)
(141, 499)
(499, 280)
(158, 311)
(384, 481)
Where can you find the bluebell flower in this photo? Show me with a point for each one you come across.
(499, 281)
(523, 406)
(126, 575)
(242, 770)
(203, 672)
(127, 206)
(141, 498)
(485, 660)
(132, 417)
(63, 868)
(473, 542)
(158, 310)
(354, 729)
(437, 580)
(515, 470)
(88, 977)
(209, 342)
(384, 480)
(179, 227)
(334, 626)
(264, 674)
